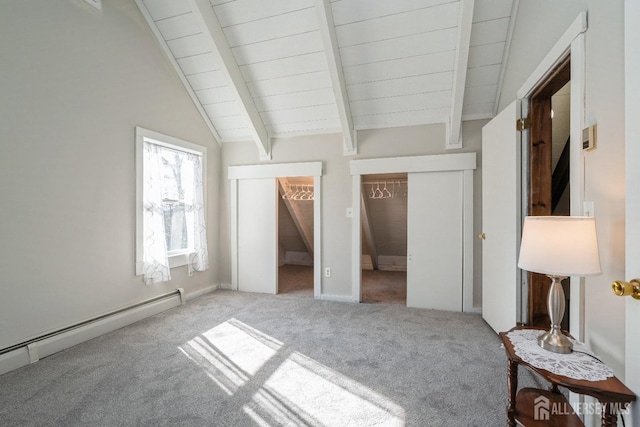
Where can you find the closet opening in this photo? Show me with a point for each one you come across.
(384, 238)
(295, 219)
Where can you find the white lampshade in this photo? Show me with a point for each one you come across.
(559, 245)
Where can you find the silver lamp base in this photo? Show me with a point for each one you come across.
(554, 340)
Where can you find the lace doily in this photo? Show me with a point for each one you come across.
(574, 365)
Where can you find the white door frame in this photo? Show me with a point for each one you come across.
(278, 170)
(632, 198)
(571, 42)
(465, 162)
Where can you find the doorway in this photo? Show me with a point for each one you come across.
(549, 173)
(296, 197)
(504, 305)
(383, 219)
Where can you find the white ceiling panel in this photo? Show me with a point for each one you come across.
(242, 11)
(195, 64)
(229, 123)
(401, 86)
(486, 10)
(178, 26)
(290, 84)
(293, 66)
(398, 25)
(223, 109)
(404, 118)
(346, 12)
(188, 46)
(295, 100)
(298, 67)
(485, 75)
(305, 128)
(489, 36)
(269, 50)
(215, 95)
(480, 94)
(397, 104)
(405, 67)
(161, 9)
(486, 32)
(207, 80)
(488, 54)
(409, 46)
(273, 27)
(298, 115)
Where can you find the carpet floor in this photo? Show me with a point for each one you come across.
(239, 359)
(389, 287)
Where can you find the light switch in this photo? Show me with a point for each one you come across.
(349, 212)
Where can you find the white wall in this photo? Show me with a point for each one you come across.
(336, 185)
(75, 82)
(539, 26)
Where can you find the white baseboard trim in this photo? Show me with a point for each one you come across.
(226, 286)
(51, 344)
(202, 291)
(339, 298)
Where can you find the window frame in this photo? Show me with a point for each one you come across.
(176, 259)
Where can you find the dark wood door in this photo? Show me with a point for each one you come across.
(540, 178)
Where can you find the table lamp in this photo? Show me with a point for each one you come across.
(558, 246)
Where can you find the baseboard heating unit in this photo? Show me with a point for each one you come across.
(34, 349)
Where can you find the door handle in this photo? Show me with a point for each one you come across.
(482, 236)
(631, 288)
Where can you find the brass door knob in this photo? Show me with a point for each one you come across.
(631, 288)
(482, 236)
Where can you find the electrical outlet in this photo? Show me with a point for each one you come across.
(587, 209)
(327, 272)
(349, 212)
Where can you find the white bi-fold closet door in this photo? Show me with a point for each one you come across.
(434, 240)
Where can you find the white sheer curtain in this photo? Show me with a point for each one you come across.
(199, 259)
(155, 259)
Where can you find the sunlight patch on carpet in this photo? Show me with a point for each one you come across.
(303, 391)
(297, 391)
(231, 353)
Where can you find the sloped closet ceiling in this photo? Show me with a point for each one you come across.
(398, 62)
(295, 212)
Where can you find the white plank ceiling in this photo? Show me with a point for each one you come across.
(299, 67)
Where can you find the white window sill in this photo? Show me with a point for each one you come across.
(179, 260)
(175, 260)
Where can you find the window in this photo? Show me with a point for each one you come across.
(177, 176)
(170, 226)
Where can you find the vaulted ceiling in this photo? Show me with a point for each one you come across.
(259, 69)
